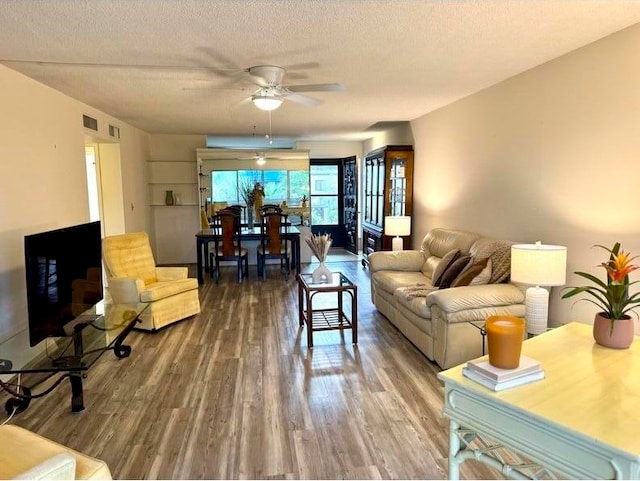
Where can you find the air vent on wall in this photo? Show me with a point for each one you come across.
(114, 131)
(90, 122)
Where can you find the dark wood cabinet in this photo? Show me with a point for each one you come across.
(388, 190)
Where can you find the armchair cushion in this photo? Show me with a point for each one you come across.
(160, 290)
(171, 273)
(60, 466)
(129, 255)
(27, 455)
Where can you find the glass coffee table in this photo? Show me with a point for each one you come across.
(101, 328)
(327, 319)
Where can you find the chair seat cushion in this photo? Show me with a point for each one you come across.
(243, 252)
(160, 290)
(285, 249)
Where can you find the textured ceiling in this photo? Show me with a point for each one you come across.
(398, 60)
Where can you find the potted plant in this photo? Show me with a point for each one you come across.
(613, 327)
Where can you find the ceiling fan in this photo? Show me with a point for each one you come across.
(260, 158)
(271, 92)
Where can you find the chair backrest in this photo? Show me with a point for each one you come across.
(240, 210)
(267, 208)
(273, 229)
(226, 226)
(129, 255)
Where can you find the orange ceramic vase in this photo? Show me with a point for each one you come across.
(504, 336)
(620, 337)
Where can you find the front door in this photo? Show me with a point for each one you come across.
(333, 208)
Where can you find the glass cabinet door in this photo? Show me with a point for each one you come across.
(368, 190)
(397, 186)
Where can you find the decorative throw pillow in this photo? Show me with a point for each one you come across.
(442, 266)
(485, 276)
(471, 272)
(454, 269)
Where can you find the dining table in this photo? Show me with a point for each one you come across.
(290, 233)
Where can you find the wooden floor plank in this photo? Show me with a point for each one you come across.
(234, 393)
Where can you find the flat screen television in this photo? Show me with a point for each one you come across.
(64, 277)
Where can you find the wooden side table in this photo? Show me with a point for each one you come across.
(327, 319)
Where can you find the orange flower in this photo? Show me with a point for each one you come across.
(619, 266)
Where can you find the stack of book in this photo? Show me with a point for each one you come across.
(480, 371)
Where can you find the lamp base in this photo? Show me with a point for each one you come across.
(537, 310)
(397, 243)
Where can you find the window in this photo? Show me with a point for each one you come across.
(324, 195)
(279, 185)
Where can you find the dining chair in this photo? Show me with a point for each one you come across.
(228, 244)
(273, 244)
(266, 208)
(240, 211)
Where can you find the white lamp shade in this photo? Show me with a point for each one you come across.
(398, 225)
(266, 102)
(539, 264)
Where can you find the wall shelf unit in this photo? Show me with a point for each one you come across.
(175, 224)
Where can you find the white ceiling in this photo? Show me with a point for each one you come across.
(397, 59)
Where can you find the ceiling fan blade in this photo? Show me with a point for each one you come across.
(302, 99)
(317, 88)
(302, 66)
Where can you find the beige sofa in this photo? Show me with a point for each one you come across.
(437, 319)
(26, 455)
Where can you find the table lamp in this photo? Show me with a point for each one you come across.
(397, 225)
(541, 265)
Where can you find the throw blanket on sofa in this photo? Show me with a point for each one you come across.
(419, 290)
(500, 253)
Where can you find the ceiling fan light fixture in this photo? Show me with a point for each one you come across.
(266, 102)
(261, 160)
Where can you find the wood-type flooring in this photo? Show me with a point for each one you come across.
(234, 393)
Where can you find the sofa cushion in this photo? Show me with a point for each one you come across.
(476, 273)
(414, 299)
(442, 266)
(453, 271)
(389, 281)
(438, 242)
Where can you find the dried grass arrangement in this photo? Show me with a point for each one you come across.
(319, 245)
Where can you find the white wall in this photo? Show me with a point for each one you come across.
(175, 227)
(331, 150)
(399, 135)
(43, 176)
(551, 154)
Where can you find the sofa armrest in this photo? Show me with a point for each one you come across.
(408, 261)
(171, 273)
(457, 299)
(125, 290)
